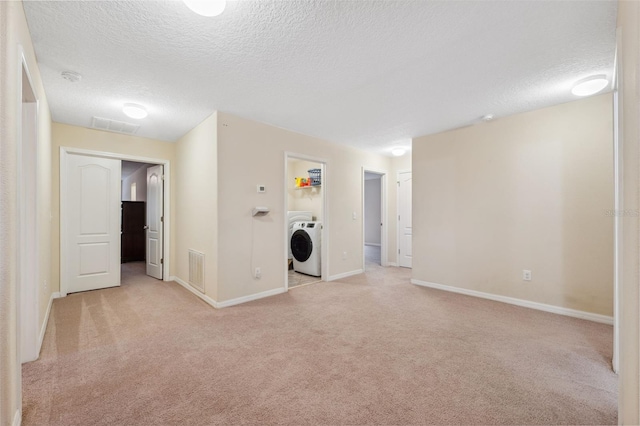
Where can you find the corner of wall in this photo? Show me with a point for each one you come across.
(196, 201)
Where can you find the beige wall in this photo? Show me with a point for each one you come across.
(14, 33)
(531, 191)
(629, 107)
(64, 135)
(197, 201)
(307, 199)
(251, 153)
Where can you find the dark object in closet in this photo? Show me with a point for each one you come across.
(132, 244)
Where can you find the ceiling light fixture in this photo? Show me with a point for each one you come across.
(134, 111)
(206, 7)
(590, 85)
(487, 117)
(398, 151)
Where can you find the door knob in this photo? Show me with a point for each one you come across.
(146, 227)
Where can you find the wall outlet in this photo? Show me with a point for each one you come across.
(526, 275)
(344, 255)
(258, 273)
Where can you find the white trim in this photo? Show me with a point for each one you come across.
(64, 151)
(202, 296)
(324, 255)
(393, 264)
(231, 302)
(26, 286)
(618, 236)
(244, 299)
(373, 244)
(345, 275)
(54, 295)
(519, 302)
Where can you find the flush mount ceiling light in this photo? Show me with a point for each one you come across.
(206, 7)
(398, 151)
(590, 85)
(487, 117)
(134, 111)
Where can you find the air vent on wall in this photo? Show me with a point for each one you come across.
(114, 126)
(196, 269)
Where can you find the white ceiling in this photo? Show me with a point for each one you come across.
(370, 74)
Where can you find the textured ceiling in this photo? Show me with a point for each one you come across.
(371, 74)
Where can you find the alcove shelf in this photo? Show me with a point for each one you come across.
(306, 187)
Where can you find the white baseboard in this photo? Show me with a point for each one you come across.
(230, 302)
(519, 302)
(393, 264)
(43, 330)
(202, 296)
(17, 418)
(372, 244)
(244, 299)
(345, 275)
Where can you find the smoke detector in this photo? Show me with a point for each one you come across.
(71, 76)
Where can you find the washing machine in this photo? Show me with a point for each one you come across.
(305, 247)
(296, 216)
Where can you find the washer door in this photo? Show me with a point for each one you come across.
(301, 245)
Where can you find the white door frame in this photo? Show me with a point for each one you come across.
(384, 260)
(398, 230)
(27, 300)
(618, 206)
(64, 153)
(28, 218)
(324, 235)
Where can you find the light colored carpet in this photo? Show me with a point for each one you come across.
(369, 349)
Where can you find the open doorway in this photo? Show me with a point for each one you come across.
(374, 224)
(91, 184)
(305, 225)
(28, 275)
(372, 212)
(136, 217)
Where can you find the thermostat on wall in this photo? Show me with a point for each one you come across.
(262, 188)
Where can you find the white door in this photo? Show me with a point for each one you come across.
(404, 219)
(91, 223)
(154, 221)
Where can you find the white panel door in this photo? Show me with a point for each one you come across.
(404, 219)
(91, 222)
(154, 221)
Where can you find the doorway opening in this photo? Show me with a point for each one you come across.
(91, 172)
(29, 339)
(375, 219)
(139, 208)
(305, 220)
